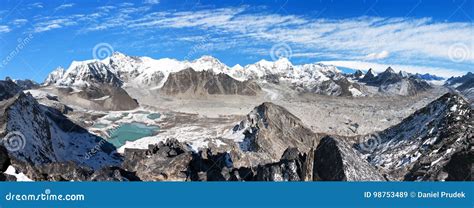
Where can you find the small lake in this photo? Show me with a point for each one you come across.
(153, 116)
(130, 132)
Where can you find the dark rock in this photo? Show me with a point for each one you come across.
(67, 171)
(358, 74)
(291, 167)
(4, 159)
(335, 160)
(8, 89)
(164, 161)
(6, 177)
(27, 84)
(191, 82)
(206, 166)
(368, 76)
(113, 174)
(242, 174)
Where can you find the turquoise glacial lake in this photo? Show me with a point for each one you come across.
(130, 132)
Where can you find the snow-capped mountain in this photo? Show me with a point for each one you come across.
(390, 82)
(54, 76)
(121, 69)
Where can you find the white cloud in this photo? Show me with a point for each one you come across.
(375, 56)
(37, 5)
(64, 6)
(151, 1)
(361, 65)
(55, 24)
(4, 29)
(19, 22)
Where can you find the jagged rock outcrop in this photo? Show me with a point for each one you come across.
(8, 89)
(26, 84)
(358, 74)
(368, 76)
(167, 161)
(113, 174)
(291, 167)
(70, 171)
(4, 159)
(336, 160)
(428, 145)
(270, 129)
(192, 82)
(209, 166)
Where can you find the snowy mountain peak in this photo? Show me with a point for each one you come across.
(390, 70)
(237, 67)
(403, 74)
(54, 76)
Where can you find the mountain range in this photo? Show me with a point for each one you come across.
(128, 118)
(121, 70)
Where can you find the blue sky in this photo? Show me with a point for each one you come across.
(415, 36)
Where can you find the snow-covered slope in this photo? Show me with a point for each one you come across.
(40, 135)
(421, 145)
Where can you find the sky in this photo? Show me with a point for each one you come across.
(417, 36)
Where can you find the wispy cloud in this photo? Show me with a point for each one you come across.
(19, 22)
(4, 29)
(64, 6)
(37, 5)
(375, 56)
(54, 24)
(151, 1)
